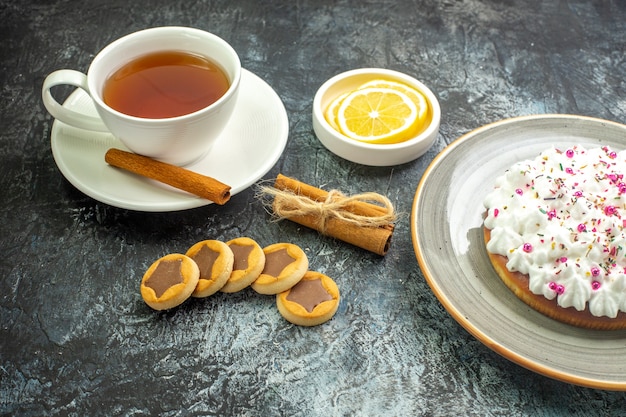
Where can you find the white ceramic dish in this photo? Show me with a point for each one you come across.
(368, 153)
(446, 226)
(250, 146)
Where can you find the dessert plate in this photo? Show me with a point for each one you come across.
(249, 147)
(446, 228)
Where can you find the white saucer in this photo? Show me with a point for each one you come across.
(250, 145)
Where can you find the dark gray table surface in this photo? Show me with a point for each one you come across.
(76, 337)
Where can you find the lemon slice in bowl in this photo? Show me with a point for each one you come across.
(378, 115)
(417, 97)
(331, 111)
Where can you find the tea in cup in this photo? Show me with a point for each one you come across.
(164, 92)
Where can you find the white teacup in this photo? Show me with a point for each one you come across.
(177, 140)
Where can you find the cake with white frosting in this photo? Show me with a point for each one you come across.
(555, 230)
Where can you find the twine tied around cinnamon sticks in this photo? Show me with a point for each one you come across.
(352, 219)
(288, 205)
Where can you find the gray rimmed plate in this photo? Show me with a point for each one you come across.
(446, 227)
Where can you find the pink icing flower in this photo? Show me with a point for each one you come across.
(595, 271)
(569, 153)
(527, 247)
(551, 214)
(519, 191)
(595, 285)
(582, 227)
(569, 170)
(609, 210)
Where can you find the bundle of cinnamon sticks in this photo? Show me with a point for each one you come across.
(353, 219)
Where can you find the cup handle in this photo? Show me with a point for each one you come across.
(65, 115)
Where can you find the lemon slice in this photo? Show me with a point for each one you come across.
(331, 111)
(417, 97)
(377, 115)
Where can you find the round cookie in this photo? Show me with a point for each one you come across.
(247, 266)
(215, 260)
(285, 265)
(169, 281)
(312, 301)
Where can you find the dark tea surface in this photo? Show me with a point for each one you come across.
(165, 84)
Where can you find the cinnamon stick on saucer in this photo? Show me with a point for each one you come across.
(349, 219)
(181, 178)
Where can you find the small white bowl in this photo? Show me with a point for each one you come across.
(369, 153)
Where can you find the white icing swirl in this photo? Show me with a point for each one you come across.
(561, 219)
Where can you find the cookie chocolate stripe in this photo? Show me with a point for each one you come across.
(276, 261)
(312, 301)
(285, 265)
(205, 258)
(215, 261)
(309, 294)
(166, 275)
(242, 253)
(169, 281)
(249, 261)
